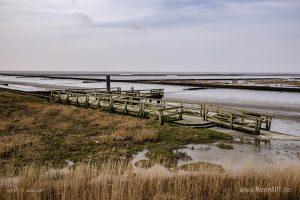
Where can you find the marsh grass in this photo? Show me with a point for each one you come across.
(224, 146)
(34, 131)
(118, 181)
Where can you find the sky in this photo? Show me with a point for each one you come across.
(150, 35)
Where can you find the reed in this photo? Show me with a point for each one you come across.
(115, 180)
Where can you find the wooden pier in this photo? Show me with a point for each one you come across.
(145, 103)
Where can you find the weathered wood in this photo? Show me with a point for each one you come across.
(132, 102)
(181, 111)
(108, 83)
(160, 117)
(86, 103)
(111, 105)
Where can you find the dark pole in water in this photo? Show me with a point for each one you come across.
(108, 82)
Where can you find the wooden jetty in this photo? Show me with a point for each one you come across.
(145, 103)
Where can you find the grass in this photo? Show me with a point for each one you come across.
(118, 181)
(224, 146)
(33, 131)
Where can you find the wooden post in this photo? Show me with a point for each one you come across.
(201, 109)
(125, 111)
(181, 111)
(58, 97)
(257, 126)
(77, 102)
(99, 104)
(142, 110)
(108, 83)
(160, 117)
(231, 120)
(268, 123)
(86, 100)
(51, 95)
(111, 104)
(205, 114)
(67, 99)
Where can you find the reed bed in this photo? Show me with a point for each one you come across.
(122, 181)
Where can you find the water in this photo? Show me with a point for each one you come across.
(284, 105)
(241, 157)
(245, 155)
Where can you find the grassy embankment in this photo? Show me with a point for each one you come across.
(34, 131)
(36, 136)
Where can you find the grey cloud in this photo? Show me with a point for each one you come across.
(150, 35)
(84, 18)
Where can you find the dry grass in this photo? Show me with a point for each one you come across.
(140, 136)
(33, 131)
(119, 181)
(145, 135)
(61, 132)
(10, 144)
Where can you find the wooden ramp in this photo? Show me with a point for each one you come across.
(192, 124)
(191, 121)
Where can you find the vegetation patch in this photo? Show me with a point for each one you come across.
(224, 146)
(182, 156)
(203, 167)
(144, 163)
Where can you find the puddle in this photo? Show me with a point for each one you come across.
(244, 155)
(210, 158)
(154, 170)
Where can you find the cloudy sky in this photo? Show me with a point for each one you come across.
(150, 35)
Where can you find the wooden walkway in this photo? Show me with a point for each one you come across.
(145, 103)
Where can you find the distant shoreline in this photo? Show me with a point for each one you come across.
(126, 73)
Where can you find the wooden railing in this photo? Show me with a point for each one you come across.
(236, 118)
(122, 103)
(154, 93)
(139, 105)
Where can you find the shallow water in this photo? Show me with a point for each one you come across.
(241, 157)
(244, 156)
